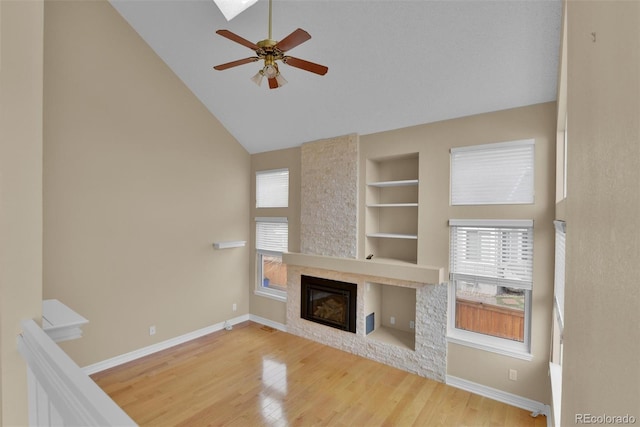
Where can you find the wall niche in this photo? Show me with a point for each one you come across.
(390, 313)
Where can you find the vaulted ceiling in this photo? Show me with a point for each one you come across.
(392, 63)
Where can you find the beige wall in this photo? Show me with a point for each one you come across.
(265, 307)
(21, 26)
(139, 181)
(432, 142)
(601, 373)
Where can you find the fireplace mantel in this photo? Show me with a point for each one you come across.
(386, 268)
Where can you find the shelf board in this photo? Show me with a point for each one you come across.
(392, 205)
(393, 236)
(377, 267)
(394, 336)
(401, 183)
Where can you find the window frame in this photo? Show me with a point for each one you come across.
(260, 289)
(504, 346)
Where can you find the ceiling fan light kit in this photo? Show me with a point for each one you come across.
(271, 51)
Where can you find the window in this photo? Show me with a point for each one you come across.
(499, 173)
(272, 239)
(491, 278)
(272, 233)
(272, 188)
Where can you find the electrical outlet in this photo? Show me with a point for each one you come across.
(152, 330)
(513, 375)
(412, 324)
(392, 320)
(235, 307)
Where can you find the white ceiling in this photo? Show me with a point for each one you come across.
(392, 63)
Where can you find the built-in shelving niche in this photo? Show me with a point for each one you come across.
(392, 207)
(386, 302)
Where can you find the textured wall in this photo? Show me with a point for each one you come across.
(329, 197)
(430, 354)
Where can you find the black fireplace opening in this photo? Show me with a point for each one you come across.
(329, 302)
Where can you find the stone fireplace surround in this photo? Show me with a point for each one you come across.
(329, 237)
(430, 354)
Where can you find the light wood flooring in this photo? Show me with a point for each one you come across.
(254, 375)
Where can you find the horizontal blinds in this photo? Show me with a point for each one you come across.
(272, 189)
(272, 234)
(496, 255)
(559, 275)
(501, 173)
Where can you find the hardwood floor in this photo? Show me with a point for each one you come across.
(257, 376)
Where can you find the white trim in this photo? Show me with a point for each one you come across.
(145, 351)
(270, 171)
(560, 226)
(271, 219)
(490, 344)
(555, 375)
(136, 354)
(271, 293)
(275, 325)
(518, 223)
(488, 280)
(516, 143)
(59, 392)
(535, 407)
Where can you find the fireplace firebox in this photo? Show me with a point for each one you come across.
(329, 302)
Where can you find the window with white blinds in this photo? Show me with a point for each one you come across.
(272, 188)
(272, 234)
(501, 173)
(497, 253)
(558, 292)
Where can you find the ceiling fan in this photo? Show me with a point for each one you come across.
(271, 51)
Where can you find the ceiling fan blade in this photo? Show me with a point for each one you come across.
(236, 38)
(305, 65)
(273, 83)
(235, 63)
(294, 39)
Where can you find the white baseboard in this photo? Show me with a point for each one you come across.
(267, 322)
(136, 354)
(535, 407)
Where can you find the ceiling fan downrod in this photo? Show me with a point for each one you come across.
(271, 51)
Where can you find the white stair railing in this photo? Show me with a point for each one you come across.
(60, 393)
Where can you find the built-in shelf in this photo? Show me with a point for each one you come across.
(398, 183)
(393, 236)
(230, 244)
(391, 217)
(392, 205)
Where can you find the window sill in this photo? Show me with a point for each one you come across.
(273, 294)
(490, 344)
